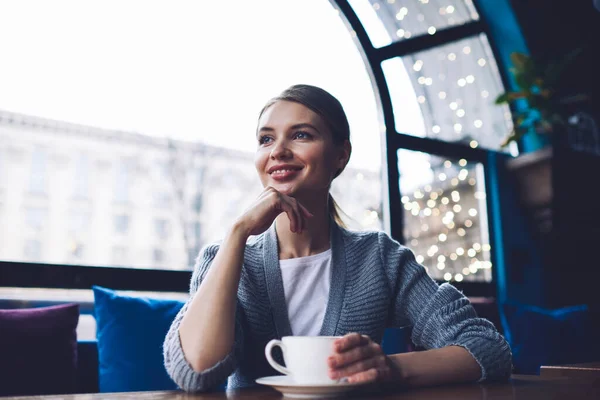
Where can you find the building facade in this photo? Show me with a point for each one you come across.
(74, 194)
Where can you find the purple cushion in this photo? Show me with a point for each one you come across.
(38, 350)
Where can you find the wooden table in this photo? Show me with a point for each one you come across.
(521, 387)
(589, 371)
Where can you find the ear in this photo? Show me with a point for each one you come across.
(344, 155)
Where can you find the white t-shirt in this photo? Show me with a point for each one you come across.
(306, 287)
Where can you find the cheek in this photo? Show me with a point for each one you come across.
(260, 162)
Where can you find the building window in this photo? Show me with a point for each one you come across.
(121, 224)
(161, 228)
(158, 256)
(82, 177)
(197, 203)
(37, 176)
(123, 180)
(36, 217)
(163, 200)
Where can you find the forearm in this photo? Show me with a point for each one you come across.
(450, 364)
(207, 330)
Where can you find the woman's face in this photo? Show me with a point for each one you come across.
(296, 154)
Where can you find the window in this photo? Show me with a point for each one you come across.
(82, 177)
(445, 221)
(452, 89)
(161, 228)
(162, 200)
(123, 180)
(438, 78)
(37, 176)
(393, 20)
(182, 153)
(158, 256)
(121, 223)
(35, 217)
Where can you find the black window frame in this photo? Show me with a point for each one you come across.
(394, 141)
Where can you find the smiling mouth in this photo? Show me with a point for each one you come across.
(284, 173)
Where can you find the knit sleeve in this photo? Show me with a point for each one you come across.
(175, 362)
(442, 316)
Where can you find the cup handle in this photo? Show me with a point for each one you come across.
(275, 364)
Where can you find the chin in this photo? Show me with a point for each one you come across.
(288, 189)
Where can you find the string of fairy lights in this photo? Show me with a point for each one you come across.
(454, 83)
(454, 86)
(443, 224)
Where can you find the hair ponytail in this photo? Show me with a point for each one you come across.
(335, 212)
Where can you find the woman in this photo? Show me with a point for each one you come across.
(288, 267)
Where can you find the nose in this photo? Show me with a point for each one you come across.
(280, 151)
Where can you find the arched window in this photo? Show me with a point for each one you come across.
(435, 71)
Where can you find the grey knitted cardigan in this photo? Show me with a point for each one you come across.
(375, 284)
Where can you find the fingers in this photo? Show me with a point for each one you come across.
(358, 367)
(296, 212)
(292, 216)
(371, 375)
(359, 359)
(357, 354)
(305, 211)
(350, 341)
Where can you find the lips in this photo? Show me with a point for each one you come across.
(284, 172)
(283, 168)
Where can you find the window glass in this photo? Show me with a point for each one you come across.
(142, 140)
(445, 216)
(448, 93)
(388, 21)
(37, 174)
(82, 177)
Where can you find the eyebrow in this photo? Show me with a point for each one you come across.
(296, 126)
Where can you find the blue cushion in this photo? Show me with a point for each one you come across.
(130, 333)
(396, 340)
(541, 336)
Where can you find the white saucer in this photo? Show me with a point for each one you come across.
(289, 388)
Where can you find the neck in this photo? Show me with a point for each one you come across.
(312, 240)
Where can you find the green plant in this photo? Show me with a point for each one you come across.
(538, 107)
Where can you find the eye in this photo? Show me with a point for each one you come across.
(302, 135)
(264, 140)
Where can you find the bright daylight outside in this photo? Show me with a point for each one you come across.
(127, 128)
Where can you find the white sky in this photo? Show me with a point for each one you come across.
(196, 70)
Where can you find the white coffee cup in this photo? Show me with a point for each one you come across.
(305, 358)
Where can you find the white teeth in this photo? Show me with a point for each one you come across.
(281, 171)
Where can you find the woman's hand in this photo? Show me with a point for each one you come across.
(359, 359)
(267, 207)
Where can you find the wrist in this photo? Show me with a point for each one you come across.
(239, 231)
(397, 363)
